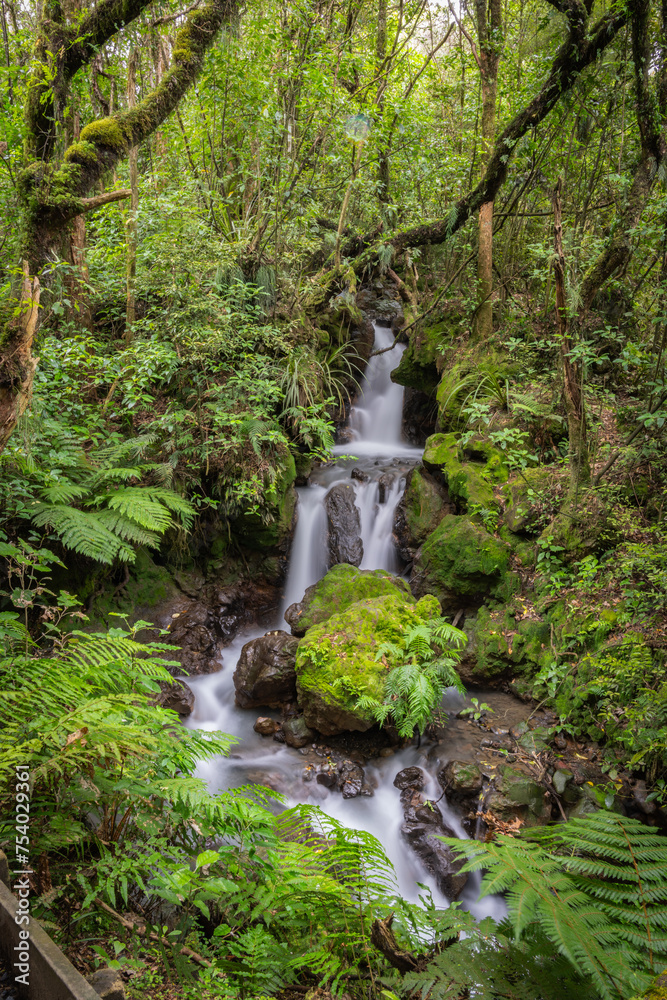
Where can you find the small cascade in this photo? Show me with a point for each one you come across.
(380, 459)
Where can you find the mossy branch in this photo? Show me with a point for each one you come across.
(55, 191)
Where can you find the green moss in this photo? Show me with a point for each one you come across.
(468, 483)
(105, 132)
(532, 499)
(504, 645)
(461, 559)
(344, 585)
(419, 367)
(336, 660)
(253, 532)
(81, 152)
(423, 506)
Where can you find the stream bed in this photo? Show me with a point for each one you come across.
(373, 460)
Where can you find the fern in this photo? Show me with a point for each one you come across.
(82, 531)
(598, 895)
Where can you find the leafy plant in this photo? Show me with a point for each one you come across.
(422, 666)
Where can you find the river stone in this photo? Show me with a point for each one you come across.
(385, 484)
(344, 521)
(265, 674)
(265, 726)
(342, 586)
(516, 795)
(177, 696)
(422, 827)
(410, 777)
(297, 733)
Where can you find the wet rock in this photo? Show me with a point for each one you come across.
(410, 777)
(279, 736)
(342, 586)
(194, 631)
(460, 779)
(422, 827)
(515, 795)
(359, 475)
(327, 778)
(385, 484)
(516, 732)
(337, 662)
(265, 674)
(297, 733)
(344, 521)
(177, 696)
(265, 726)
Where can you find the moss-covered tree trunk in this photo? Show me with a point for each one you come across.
(54, 188)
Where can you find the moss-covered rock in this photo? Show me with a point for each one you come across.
(517, 796)
(419, 367)
(533, 498)
(583, 528)
(342, 586)
(458, 560)
(419, 512)
(502, 644)
(336, 661)
(469, 484)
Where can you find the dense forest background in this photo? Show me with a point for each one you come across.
(201, 206)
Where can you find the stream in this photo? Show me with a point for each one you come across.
(374, 447)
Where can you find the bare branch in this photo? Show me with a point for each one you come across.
(90, 204)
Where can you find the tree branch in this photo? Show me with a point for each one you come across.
(90, 204)
(97, 28)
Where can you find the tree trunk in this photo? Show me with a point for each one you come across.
(580, 469)
(489, 25)
(131, 222)
(18, 365)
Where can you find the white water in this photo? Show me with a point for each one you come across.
(377, 450)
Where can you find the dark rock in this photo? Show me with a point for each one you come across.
(345, 545)
(265, 674)
(177, 696)
(385, 483)
(351, 778)
(422, 827)
(639, 793)
(327, 778)
(359, 475)
(195, 631)
(266, 727)
(279, 736)
(410, 777)
(297, 734)
(108, 984)
(560, 742)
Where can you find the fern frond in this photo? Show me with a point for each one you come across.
(82, 531)
(63, 492)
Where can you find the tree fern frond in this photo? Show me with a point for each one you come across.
(83, 532)
(63, 492)
(128, 530)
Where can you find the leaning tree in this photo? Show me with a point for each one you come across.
(57, 180)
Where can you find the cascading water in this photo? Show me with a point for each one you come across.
(375, 449)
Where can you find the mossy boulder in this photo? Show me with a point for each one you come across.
(421, 509)
(583, 527)
(458, 560)
(516, 795)
(502, 643)
(533, 498)
(469, 484)
(336, 660)
(342, 586)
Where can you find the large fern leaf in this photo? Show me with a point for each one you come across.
(82, 531)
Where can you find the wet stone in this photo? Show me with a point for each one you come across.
(410, 777)
(265, 726)
(297, 733)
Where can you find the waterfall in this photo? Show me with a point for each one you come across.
(380, 460)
